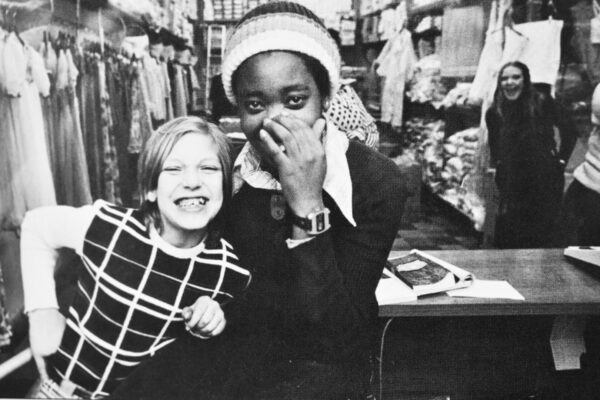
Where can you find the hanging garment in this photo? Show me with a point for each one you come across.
(140, 127)
(166, 88)
(63, 127)
(501, 45)
(178, 90)
(90, 111)
(118, 89)
(12, 197)
(460, 56)
(489, 59)
(153, 73)
(49, 55)
(542, 50)
(396, 64)
(484, 83)
(387, 27)
(110, 168)
(34, 164)
(196, 91)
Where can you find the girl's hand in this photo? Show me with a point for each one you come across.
(46, 329)
(301, 162)
(204, 318)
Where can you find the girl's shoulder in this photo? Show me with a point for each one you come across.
(113, 214)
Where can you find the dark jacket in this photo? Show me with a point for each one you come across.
(308, 324)
(529, 169)
(319, 297)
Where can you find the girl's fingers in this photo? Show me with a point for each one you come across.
(276, 151)
(206, 318)
(319, 128)
(219, 328)
(198, 310)
(278, 131)
(300, 134)
(186, 313)
(212, 324)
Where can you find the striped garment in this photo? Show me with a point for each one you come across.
(130, 294)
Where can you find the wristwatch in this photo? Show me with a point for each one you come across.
(315, 222)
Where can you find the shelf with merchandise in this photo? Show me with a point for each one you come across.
(447, 164)
(370, 8)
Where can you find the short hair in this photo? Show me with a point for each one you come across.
(157, 149)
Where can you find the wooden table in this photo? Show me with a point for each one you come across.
(484, 346)
(550, 283)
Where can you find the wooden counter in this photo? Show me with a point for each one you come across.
(466, 348)
(550, 283)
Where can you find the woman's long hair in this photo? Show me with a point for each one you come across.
(527, 100)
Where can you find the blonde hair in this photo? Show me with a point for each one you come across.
(158, 148)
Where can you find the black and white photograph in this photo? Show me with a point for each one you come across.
(300, 199)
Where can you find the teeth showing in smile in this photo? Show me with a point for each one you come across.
(192, 202)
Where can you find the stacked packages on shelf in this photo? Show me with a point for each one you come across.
(447, 164)
(233, 9)
(426, 84)
(5, 328)
(457, 96)
(459, 154)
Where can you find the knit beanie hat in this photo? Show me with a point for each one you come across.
(285, 26)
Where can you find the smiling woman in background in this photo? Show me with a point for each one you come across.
(529, 166)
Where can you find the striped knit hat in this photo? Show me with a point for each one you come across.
(280, 25)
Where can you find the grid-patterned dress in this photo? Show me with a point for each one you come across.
(131, 291)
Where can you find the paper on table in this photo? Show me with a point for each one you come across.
(488, 290)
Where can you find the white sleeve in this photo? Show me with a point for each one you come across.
(43, 232)
(292, 243)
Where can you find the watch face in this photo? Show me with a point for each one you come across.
(320, 222)
(315, 223)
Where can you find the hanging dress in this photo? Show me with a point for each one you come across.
(12, 196)
(34, 172)
(110, 170)
(396, 64)
(69, 164)
(90, 116)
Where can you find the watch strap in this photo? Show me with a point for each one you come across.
(314, 223)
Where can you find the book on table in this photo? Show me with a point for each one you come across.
(391, 290)
(589, 254)
(417, 274)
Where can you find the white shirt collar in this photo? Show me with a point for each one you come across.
(337, 178)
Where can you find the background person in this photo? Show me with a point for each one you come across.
(582, 200)
(529, 167)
